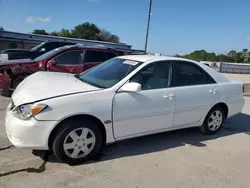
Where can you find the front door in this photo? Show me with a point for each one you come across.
(151, 109)
(69, 62)
(195, 93)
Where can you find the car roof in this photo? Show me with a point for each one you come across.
(219, 78)
(75, 47)
(146, 58)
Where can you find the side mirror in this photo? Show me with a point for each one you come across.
(131, 87)
(42, 50)
(52, 62)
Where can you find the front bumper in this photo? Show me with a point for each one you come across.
(31, 133)
(4, 82)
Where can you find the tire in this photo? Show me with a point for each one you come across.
(6, 93)
(213, 121)
(77, 140)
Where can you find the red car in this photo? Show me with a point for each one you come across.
(69, 59)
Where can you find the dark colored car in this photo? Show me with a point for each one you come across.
(16, 53)
(34, 52)
(69, 59)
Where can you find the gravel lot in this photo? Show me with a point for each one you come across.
(183, 158)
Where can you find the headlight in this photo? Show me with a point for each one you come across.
(26, 111)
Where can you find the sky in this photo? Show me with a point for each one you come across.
(177, 26)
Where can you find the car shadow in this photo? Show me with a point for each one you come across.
(164, 141)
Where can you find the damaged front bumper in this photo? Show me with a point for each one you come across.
(4, 83)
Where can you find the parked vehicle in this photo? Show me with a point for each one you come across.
(34, 52)
(124, 97)
(14, 54)
(70, 59)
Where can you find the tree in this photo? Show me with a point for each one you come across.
(198, 55)
(65, 33)
(231, 53)
(244, 50)
(92, 32)
(39, 31)
(239, 58)
(107, 36)
(86, 31)
(248, 58)
(54, 33)
(211, 57)
(222, 58)
(1, 28)
(245, 55)
(232, 56)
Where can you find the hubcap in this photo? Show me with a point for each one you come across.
(215, 120)
(79, 143)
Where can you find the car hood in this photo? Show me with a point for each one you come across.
(16, 61)
(45, 85)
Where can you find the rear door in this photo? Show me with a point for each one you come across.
(195, 92)
(93, 58)
(69, 62)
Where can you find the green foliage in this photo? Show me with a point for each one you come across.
(85, 30)
(232, 56)
(54, 33)
(1, 28)
(39, 31)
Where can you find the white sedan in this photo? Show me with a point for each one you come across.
(125, 97)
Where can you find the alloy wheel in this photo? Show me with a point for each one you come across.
(215, 120)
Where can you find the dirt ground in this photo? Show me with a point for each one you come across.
(183, 158)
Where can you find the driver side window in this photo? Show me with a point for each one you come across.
(153, 76)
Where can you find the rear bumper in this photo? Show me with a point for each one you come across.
(235, 107)
(4, 83)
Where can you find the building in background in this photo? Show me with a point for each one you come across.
(27, 41)
(17, 40)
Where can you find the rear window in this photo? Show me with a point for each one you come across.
(110, 55)
(94, 56)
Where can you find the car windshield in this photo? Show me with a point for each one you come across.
(37, 47)
(49, 53)
(109, 73)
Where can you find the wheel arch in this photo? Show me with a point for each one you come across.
(78, 116)
(223, 106)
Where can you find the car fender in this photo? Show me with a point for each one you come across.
(97, 104)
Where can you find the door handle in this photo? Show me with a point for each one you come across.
(168, 96)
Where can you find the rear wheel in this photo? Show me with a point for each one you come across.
(213, 121)
(77, 141)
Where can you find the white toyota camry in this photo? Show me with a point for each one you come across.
(125, 97)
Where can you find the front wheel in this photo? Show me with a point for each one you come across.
(213, 121)
(77, 141)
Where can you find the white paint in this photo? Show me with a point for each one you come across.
(133, 113)
(130, 87)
